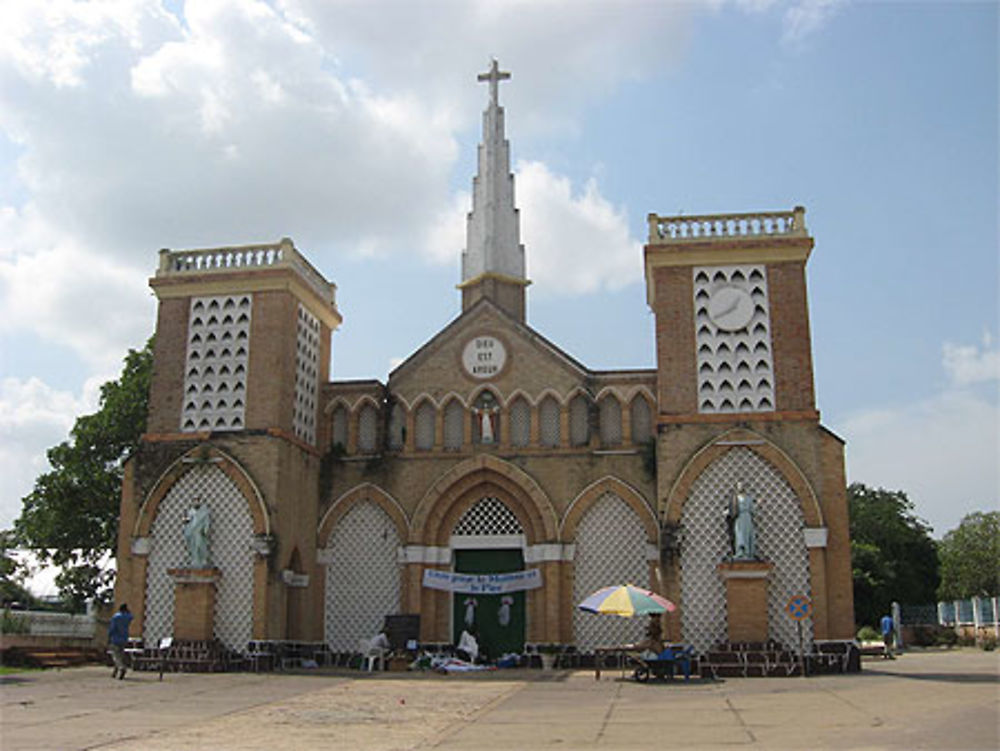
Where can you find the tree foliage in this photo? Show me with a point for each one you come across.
(892, 554)
(70, 518)
(970, 558)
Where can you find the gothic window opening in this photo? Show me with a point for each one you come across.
(367, 429)
(549, 432)
(611, 422)
(397, 427)
(520, 422)
(642, 420)
(454, 423)
(424, 427)
(579, 421)
(339, 426)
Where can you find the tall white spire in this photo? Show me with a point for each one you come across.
(493, 236)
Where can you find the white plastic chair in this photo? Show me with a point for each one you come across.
(371, 654)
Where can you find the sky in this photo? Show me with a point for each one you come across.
(127, 126)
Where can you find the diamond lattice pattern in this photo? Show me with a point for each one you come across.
(610, 550)
(215, 376)
(362, 576)
(779, 524)
(488, 516)
(229, 549)
(735, 372)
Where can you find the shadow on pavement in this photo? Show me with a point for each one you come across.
(944, 677)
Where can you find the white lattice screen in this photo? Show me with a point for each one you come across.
(548, 422)
(610, 550)
(488, 516)
(735, 370)
(362, 576)
(229, 550)
(215, 375)
(306, 375)
(778, 522)
(611, 422)
(520, 423)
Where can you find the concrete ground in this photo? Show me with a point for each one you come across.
(939, 700)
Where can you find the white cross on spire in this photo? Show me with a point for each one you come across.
(494, 76)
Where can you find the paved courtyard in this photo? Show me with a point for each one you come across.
(940, 700)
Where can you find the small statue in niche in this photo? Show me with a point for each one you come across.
(742, 535)
(196, 531)
(486, 411)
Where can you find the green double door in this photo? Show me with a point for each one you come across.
(499, 619)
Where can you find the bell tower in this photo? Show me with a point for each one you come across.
(732, 323)
(242, 341)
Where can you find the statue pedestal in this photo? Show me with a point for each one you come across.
(746, 599)
(194, 602)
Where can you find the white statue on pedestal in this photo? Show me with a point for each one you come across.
(744, 537)
(196, 534)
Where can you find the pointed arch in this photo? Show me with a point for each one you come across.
(590, 495)
(743, 437)
(364, 492)
(230, 466)
(460, 487)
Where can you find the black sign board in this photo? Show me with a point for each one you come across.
(402, 628)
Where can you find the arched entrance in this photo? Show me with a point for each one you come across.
(487, 505)
(489, 539)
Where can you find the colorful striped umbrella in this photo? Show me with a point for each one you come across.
(626, 600)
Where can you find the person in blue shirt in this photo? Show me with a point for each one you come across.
(888, 631)
(118, 639)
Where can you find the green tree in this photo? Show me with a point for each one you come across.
(892, 554)
(970, 558)
(70, 518)
(11, 589)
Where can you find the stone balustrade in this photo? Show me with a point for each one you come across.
(245, 258)
(668, 230)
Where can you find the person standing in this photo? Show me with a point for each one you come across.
(118, 639)
(888, 634)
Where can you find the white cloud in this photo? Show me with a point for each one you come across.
(67, 295)
(943, 450)
(968, 364)
(33, 418)
(578, 242)
(808, 17)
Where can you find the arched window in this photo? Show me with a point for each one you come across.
(642, 420)
(611, 421)
(397, 427)
(549, 432)
(339, 426)
(579, 421)
(520, 422)
(486, 418)
(367, 429)
(424, 427)
(454, 424)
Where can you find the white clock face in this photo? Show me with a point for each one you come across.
(484, 357)
(730, 308)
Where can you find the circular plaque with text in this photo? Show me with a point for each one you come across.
(484, 357)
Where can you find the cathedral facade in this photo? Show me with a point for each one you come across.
(491, 479)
